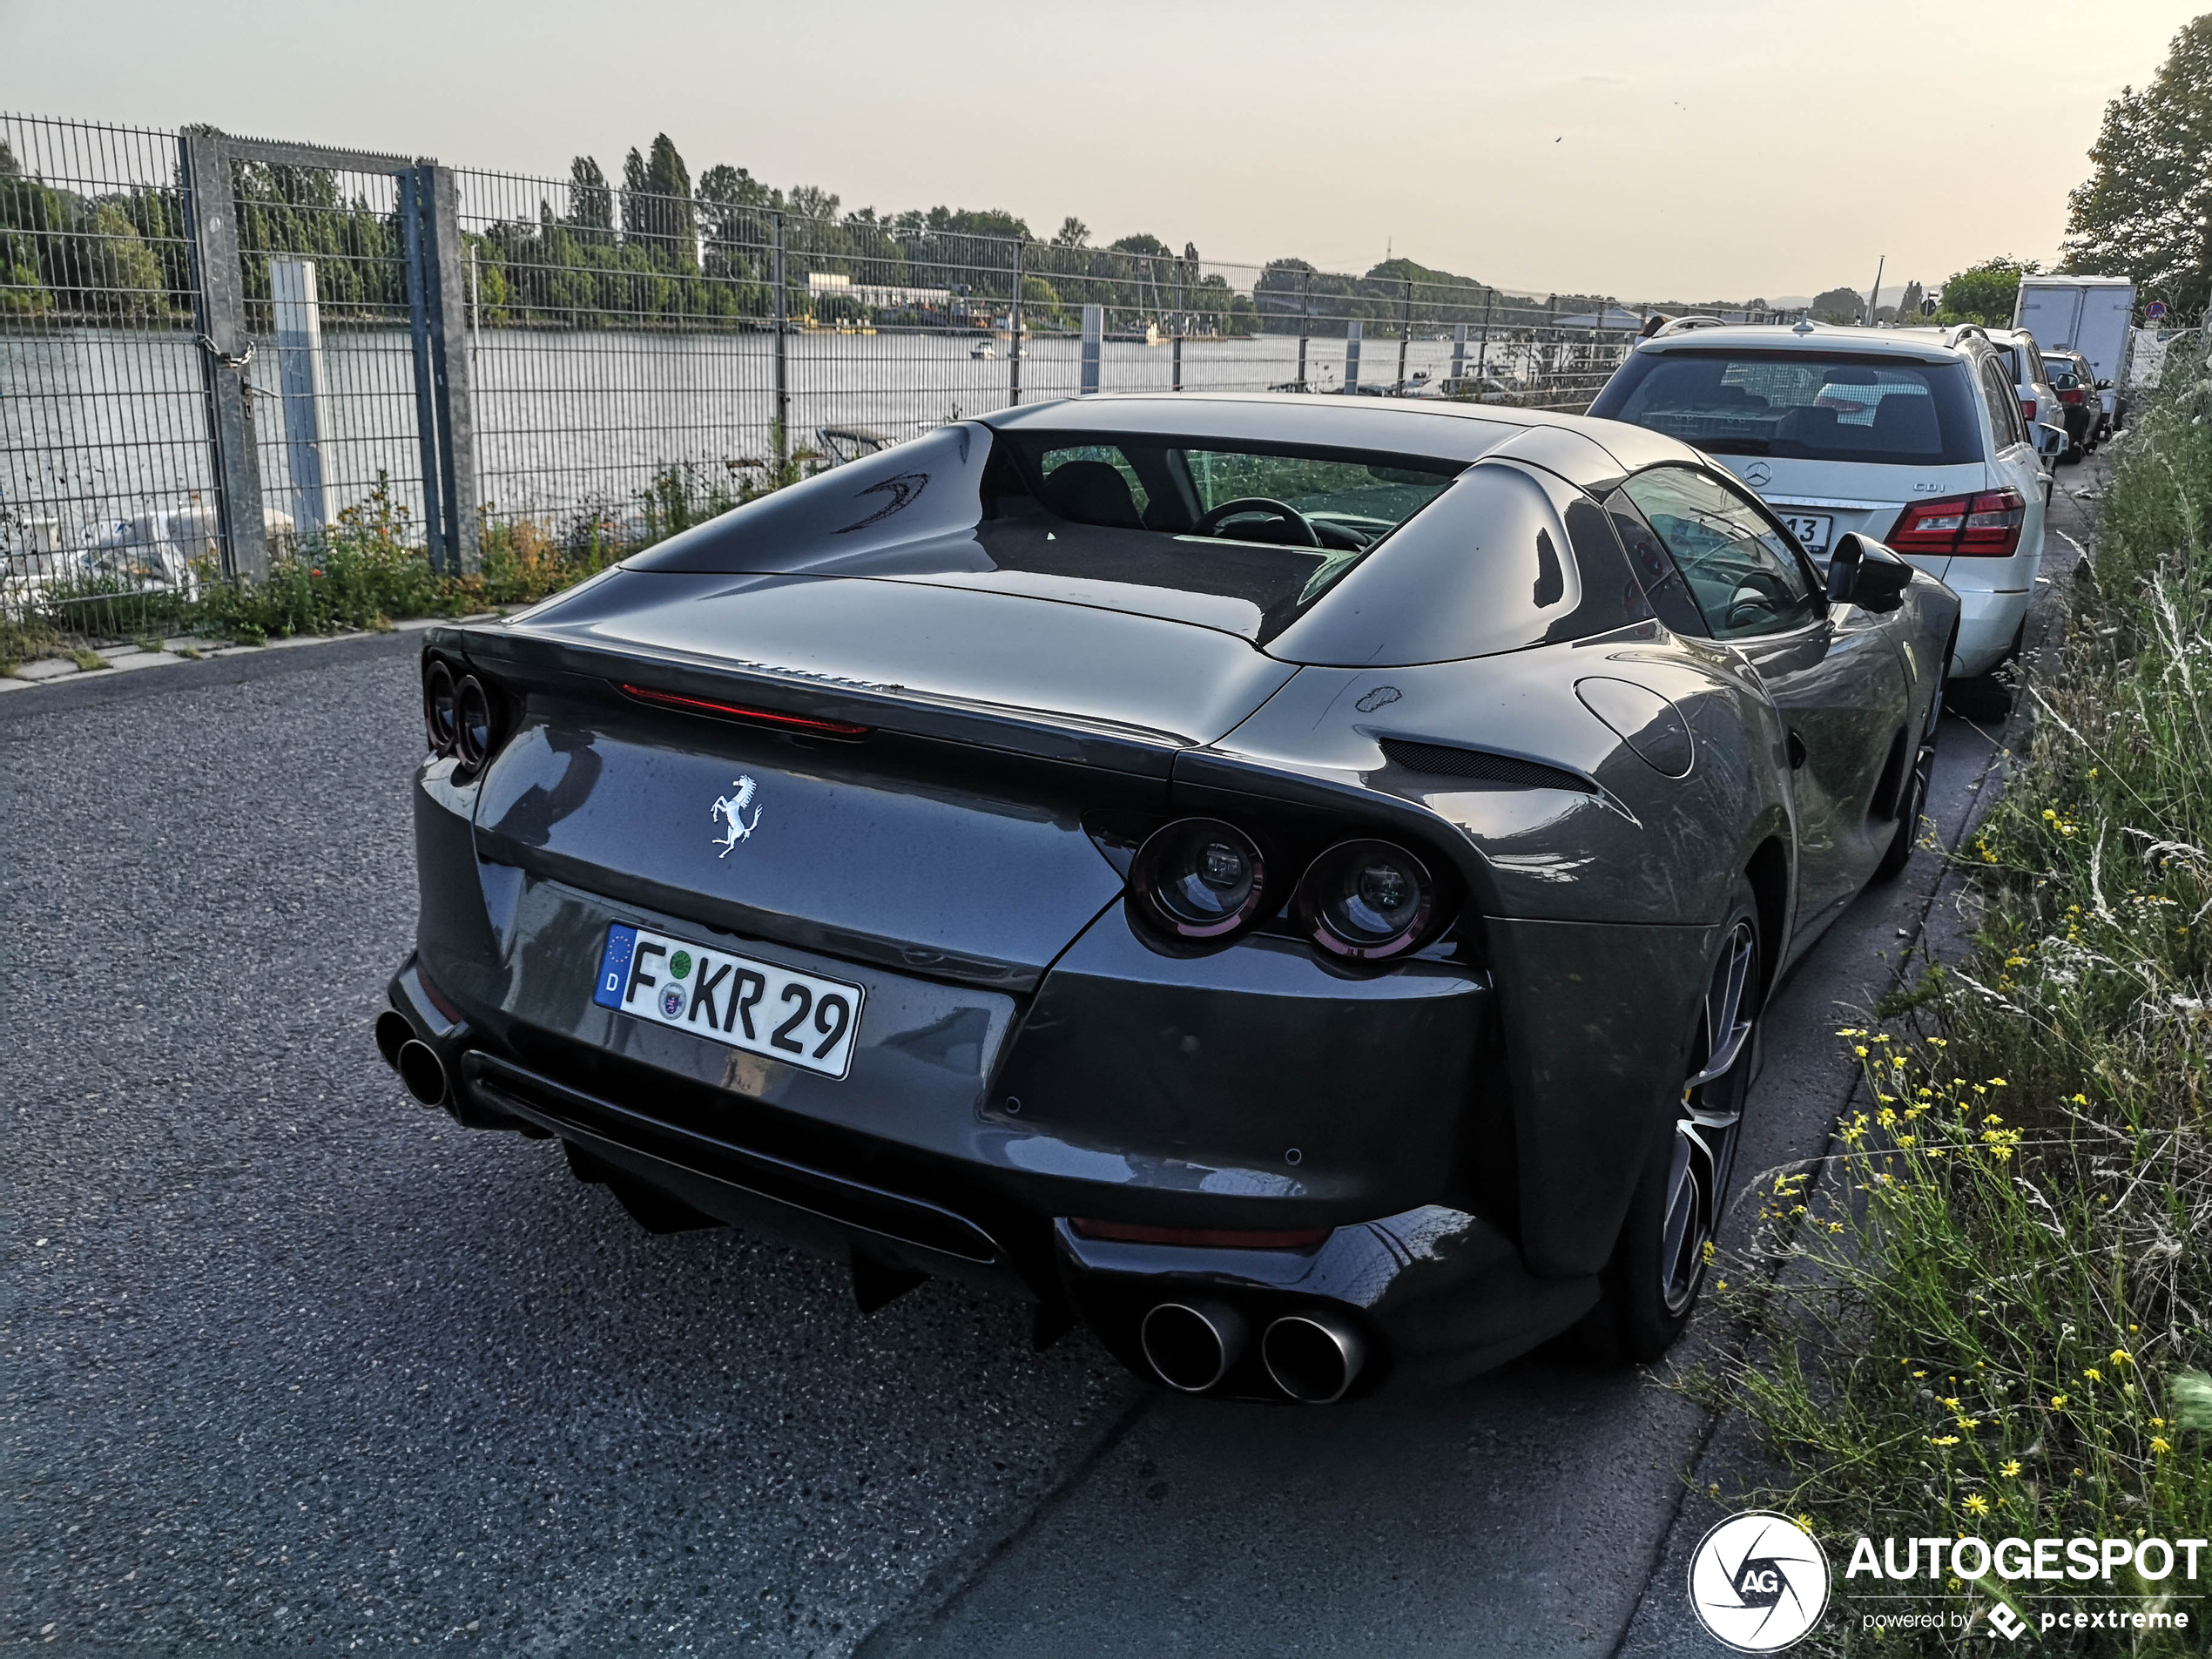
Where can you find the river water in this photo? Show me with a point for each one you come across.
(98, 427)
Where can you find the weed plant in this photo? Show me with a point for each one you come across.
(370, 570)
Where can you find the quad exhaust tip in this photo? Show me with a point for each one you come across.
(1191, 1345)
(392, 1035)
(421, 1069)
(422, 1072)
(1312, 1357)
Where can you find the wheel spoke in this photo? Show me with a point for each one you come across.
(1711, 1116)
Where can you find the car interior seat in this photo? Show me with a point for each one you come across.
(1907, 425)
(1091, 492)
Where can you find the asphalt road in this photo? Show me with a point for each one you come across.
(291, 1363)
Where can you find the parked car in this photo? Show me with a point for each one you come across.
(2040, 402)
(2072, 379)
(1916, 437)
(2089, 314)
(1292, 882)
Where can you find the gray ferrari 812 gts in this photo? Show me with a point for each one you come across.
(1289, 882)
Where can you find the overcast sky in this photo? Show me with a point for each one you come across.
(1686, 149)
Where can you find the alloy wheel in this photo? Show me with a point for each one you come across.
(1711, 1115)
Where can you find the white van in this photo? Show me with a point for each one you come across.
(1912, 436)
(2089, 314)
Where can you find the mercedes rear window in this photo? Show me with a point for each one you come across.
(1812, 405)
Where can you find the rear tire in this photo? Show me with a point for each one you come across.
(1651, 1286)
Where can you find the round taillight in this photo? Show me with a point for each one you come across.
(1367, 900)
(472, 718)
(1199, 879)
(440, 726)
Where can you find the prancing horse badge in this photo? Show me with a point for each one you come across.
(731, 810)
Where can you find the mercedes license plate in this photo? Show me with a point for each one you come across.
(1811, 529)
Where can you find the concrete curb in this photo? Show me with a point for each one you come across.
(51, 670)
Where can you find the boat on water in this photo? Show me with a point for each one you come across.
(982, 350)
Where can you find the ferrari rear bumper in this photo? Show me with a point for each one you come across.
(1429, 1295)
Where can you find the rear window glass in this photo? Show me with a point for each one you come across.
(1839, 407)
(1273, 526)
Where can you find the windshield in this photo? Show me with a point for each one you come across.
(1273, 526)
(1835, 407)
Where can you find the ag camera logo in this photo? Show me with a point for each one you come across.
(1758, 1582)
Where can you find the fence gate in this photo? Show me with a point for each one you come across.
(332, 339)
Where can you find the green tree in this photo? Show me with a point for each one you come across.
(2146, 212)
(1844, 305)
(591, 209)
(120, 278)
(1985, 292)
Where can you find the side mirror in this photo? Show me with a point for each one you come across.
(2050, 440)
(1862, 572)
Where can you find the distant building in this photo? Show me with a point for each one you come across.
(832, 284)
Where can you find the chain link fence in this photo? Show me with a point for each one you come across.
(215, 351)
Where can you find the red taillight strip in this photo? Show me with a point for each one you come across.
(738, 711)
(1201, 1238)
(1986, 525)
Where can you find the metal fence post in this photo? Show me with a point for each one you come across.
(1405, 333)
(411, 180)
(225, 350)
(1178, 326)
(1459, 353)
(1352, 331)
(1304, 313)
(1482, 352)
(1014, 351)
(299, 343)
(783, 368)
(448, 323)
(1094, 333)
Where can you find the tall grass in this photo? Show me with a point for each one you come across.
(370, 570)
(1996, 1317)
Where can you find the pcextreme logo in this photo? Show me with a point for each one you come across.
(1758, 1582)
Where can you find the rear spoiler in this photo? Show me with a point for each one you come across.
(562, 666)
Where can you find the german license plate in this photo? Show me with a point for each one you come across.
(1811, 529)
(797, 1018)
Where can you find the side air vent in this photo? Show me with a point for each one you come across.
(1441, 760)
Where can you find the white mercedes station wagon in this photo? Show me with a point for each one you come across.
(1912, 436)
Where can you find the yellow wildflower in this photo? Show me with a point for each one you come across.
(1977, 1505)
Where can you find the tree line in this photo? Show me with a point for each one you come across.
(659, 249)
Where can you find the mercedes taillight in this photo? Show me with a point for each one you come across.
(1984, 526)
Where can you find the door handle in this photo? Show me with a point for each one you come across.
(1796, 750)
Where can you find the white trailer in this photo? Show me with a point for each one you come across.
(2089, 313)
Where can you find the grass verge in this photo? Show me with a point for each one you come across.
(1993, 1318)
(370, 570)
